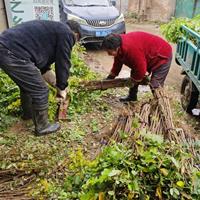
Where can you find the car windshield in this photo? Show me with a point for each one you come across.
(87, 2)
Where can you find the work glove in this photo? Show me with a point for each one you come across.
(61, 95)
(145, 80)
(50, 77)
(110, 76)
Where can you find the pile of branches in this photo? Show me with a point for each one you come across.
(156, 117)
(14, 184)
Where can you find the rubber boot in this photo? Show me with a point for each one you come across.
(26, 103)
(132, 95)
(42, 125)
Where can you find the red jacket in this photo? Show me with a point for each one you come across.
(142, 52)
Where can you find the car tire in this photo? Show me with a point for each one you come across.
(189, 95)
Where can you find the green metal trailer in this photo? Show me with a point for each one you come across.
(188, 56)
(187, 8)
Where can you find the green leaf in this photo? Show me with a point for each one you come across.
(175, 162)
(77, 180)
(181, 184)
(171, 191)
(111, 193)
(114, 173)
(134, 186)
(176, 191)
(164, 171)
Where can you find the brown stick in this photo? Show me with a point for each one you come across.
(105, 84)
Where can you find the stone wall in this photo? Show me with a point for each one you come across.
(151, 10)
(3, 19)
(122, 5)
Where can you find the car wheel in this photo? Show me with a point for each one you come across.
(189, 95)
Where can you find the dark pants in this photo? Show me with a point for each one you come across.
(26, 75)
(157, 77)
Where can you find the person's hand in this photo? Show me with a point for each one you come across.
(61, 95)
(145, 80)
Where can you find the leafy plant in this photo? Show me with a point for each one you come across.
(80, 100)
(149, 169)
(172, 30)
(9, 102)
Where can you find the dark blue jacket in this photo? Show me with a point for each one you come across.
(43, 43)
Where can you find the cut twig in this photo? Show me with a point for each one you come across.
(105, 84)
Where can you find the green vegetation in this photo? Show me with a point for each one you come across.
(172, 30)
(149, 168)
(9, 101)
(143, 166)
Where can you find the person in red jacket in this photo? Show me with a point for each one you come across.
(144, 53)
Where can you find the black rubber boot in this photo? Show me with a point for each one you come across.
(42, 125)
(132, 95)
(26, 103)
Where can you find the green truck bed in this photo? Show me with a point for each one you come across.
(188, 55)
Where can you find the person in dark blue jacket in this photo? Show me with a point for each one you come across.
(27, 51)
